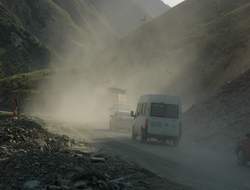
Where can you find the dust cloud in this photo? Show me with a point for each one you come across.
(80, 94)
(77, 91)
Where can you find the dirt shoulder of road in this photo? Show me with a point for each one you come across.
(33, 158)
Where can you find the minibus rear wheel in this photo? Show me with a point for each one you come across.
(134, 136)
(242, 161)
(176, 141)
(110, 126)
(143, 135)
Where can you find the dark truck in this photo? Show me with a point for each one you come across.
(121, 121)
(243, 151)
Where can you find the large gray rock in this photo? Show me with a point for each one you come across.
(30, 185)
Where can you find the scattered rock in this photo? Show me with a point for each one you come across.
(97, 159)
(31, 185)
(80, 184)
(31, 158)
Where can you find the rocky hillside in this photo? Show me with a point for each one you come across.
(223, 119)
(126, 16)
(200, 43)
(20, 51)
(35, 32)
(153, 8)
(204, 48)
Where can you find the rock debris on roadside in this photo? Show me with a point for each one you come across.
(31, 158)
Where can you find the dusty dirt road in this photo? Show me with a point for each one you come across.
(187, 164)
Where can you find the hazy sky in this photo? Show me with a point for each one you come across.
(172, 2)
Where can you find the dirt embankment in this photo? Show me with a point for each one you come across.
(223, 119)
(33, 158)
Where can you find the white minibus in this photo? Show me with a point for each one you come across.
(159, 117)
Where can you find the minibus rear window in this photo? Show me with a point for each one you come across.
(165, 110)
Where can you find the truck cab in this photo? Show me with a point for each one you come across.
(120, 120)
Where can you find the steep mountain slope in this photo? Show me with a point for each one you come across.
(125, 16)
(43, 28)
(58, 27)
(201, 43)
(223, 119)
(20, 51)
(57, 22)
(153, 8)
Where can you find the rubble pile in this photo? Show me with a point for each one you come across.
(31, 158)
(25, 135)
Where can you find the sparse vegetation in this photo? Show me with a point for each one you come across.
(24, 86)
(25, 80)
(4, 115)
